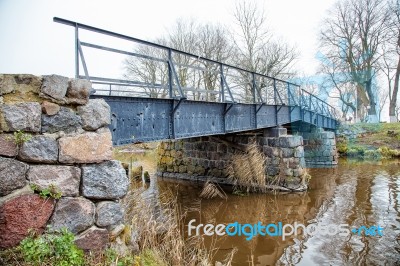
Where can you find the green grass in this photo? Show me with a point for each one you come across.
(377, 136)
(374, 141)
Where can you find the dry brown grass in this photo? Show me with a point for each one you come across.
(157, 223)
(212, 190)
(247, 170)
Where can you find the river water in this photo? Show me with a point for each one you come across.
(353, 193)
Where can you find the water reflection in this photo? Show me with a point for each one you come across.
(353, 193)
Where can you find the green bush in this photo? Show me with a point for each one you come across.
(388, 153)
(356, 151)
(372, 154)
(56, 248)
(341, 146)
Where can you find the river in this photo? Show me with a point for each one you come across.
(353, 193)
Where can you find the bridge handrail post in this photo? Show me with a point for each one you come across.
(253, 86)
(170, 80)
(221, 73)
(76, 50)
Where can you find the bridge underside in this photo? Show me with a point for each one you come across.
(136, 120)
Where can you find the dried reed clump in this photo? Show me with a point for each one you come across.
(212, 190)
(247, 170)
(157, 223)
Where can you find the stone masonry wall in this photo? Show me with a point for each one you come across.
(209, 157)
(320, 147)
(52, 135)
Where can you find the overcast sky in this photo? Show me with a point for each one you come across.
(32, 43)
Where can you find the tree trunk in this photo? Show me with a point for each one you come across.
(393, 100)
(372, 114)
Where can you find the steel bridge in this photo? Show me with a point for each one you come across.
(164, 93)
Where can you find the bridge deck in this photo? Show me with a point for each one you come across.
(142, 120)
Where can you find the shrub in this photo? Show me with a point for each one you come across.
(388, 153)
(372, 154)
(56, 248)
(356, 151)
(342, 146)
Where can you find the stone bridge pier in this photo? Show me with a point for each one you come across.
(202, 158)
(319, 146)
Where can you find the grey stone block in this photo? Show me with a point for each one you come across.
(39, 149)
(275, 132)
(95, 114)
(108, 213)
(107, 180)
(64, 178)
(55, 86)
(287, 152)
(21, 116)
(299, 152)
(290, 141)
(75, 214)
(65, 120)
(78, 91)
(273, 142)
(12, 175)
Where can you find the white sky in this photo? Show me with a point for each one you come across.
(31, 42)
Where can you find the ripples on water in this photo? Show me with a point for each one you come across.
(353, 193)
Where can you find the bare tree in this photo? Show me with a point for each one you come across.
(351, 37)
(391, 57)
(198, 78)
(257, 50)
(337, 85)
(382, 100)
(151, 76)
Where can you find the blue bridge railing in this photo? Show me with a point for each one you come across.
(152, 70)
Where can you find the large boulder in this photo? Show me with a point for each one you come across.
(54, 87)
(39, 149)
(65, 120)
(75, 214)
(93, 239)
(20, 215)
(79, 91)
(89, 147)
(21, 116)
(65, 178)
(95, 114)
(8, 147)
(107, 180)
(12, 175)
(108, 213)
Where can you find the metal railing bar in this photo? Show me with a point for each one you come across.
(199, 90)
(95, 46)
(129, 38)
(83, 60)
(196, 67)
